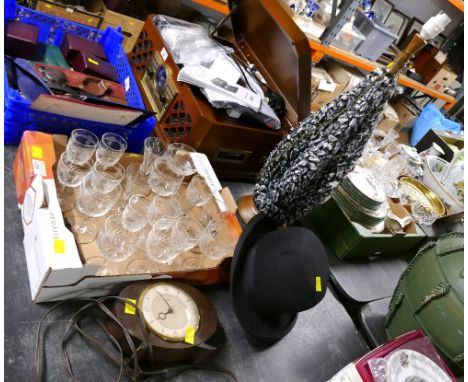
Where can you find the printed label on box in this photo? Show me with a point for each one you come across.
(37, 152)
(59, 246)
(204, 169)
(39, 167)
(28, 206)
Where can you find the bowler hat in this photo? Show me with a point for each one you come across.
(276, 273)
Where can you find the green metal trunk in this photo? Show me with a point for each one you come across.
(429, 296)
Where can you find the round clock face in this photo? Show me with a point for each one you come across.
(161, 78)
(169, 311)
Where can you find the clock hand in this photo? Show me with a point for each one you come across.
(170, 310)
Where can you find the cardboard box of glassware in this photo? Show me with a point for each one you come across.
(58, 267)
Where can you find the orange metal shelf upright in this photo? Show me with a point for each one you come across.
(460, 4)
(214, 5)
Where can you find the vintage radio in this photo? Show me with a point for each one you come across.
(265, 36)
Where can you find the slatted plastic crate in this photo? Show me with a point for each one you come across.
(18, 114)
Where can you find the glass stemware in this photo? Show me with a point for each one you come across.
(198, 193)
(69, 176)
(159, 247)
(81, 146)
(185, 233)
(115, 242)
(135, 214)
(164, 209)
(110, 149)
(181, 162)
(106, 178)
(136, 182)
(153, 149)
(162, 179)
(91, 202)
(217, 239)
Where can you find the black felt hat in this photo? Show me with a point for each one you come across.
(276, 273)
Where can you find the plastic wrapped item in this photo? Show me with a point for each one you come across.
(190, 44)
(408, 358)
(207, 64)
(431, 118)
(407, 365)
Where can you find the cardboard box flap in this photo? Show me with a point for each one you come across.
(70, 276)
(267, 34)
(89, 287)
(43, 220)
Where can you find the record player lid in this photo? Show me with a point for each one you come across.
(269, 38)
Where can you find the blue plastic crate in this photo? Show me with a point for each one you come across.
(18, 115)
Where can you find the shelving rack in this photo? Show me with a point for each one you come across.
(460, 4)
(319, 51)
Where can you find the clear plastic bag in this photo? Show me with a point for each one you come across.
(349, 36)
(414, 361)
(190, 44)
(431, 118)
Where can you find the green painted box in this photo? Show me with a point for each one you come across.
(350, 240)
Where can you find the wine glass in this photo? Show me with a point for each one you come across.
(162, 179)
(69, 175)
(81, 146)
(198, 193)
(181, 161)
(106, 178)
(217, 239)
(167, 208)
(115, 242)
(135, 214)
(185, 233)
(110, 149)
(136, 181)
(92, 202)
(153, 149)
(159, 246)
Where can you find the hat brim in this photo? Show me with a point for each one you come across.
(262, 329)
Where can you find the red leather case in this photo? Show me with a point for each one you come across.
(21, 40)
(90, 64)
(72, 44)
(99, 87)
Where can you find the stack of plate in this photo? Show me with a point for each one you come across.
(363, 201)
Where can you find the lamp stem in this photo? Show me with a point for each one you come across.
(416, 43)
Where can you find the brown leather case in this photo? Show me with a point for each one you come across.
(266, 36)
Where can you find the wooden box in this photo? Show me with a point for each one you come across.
(131, 27)
(68, 13)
